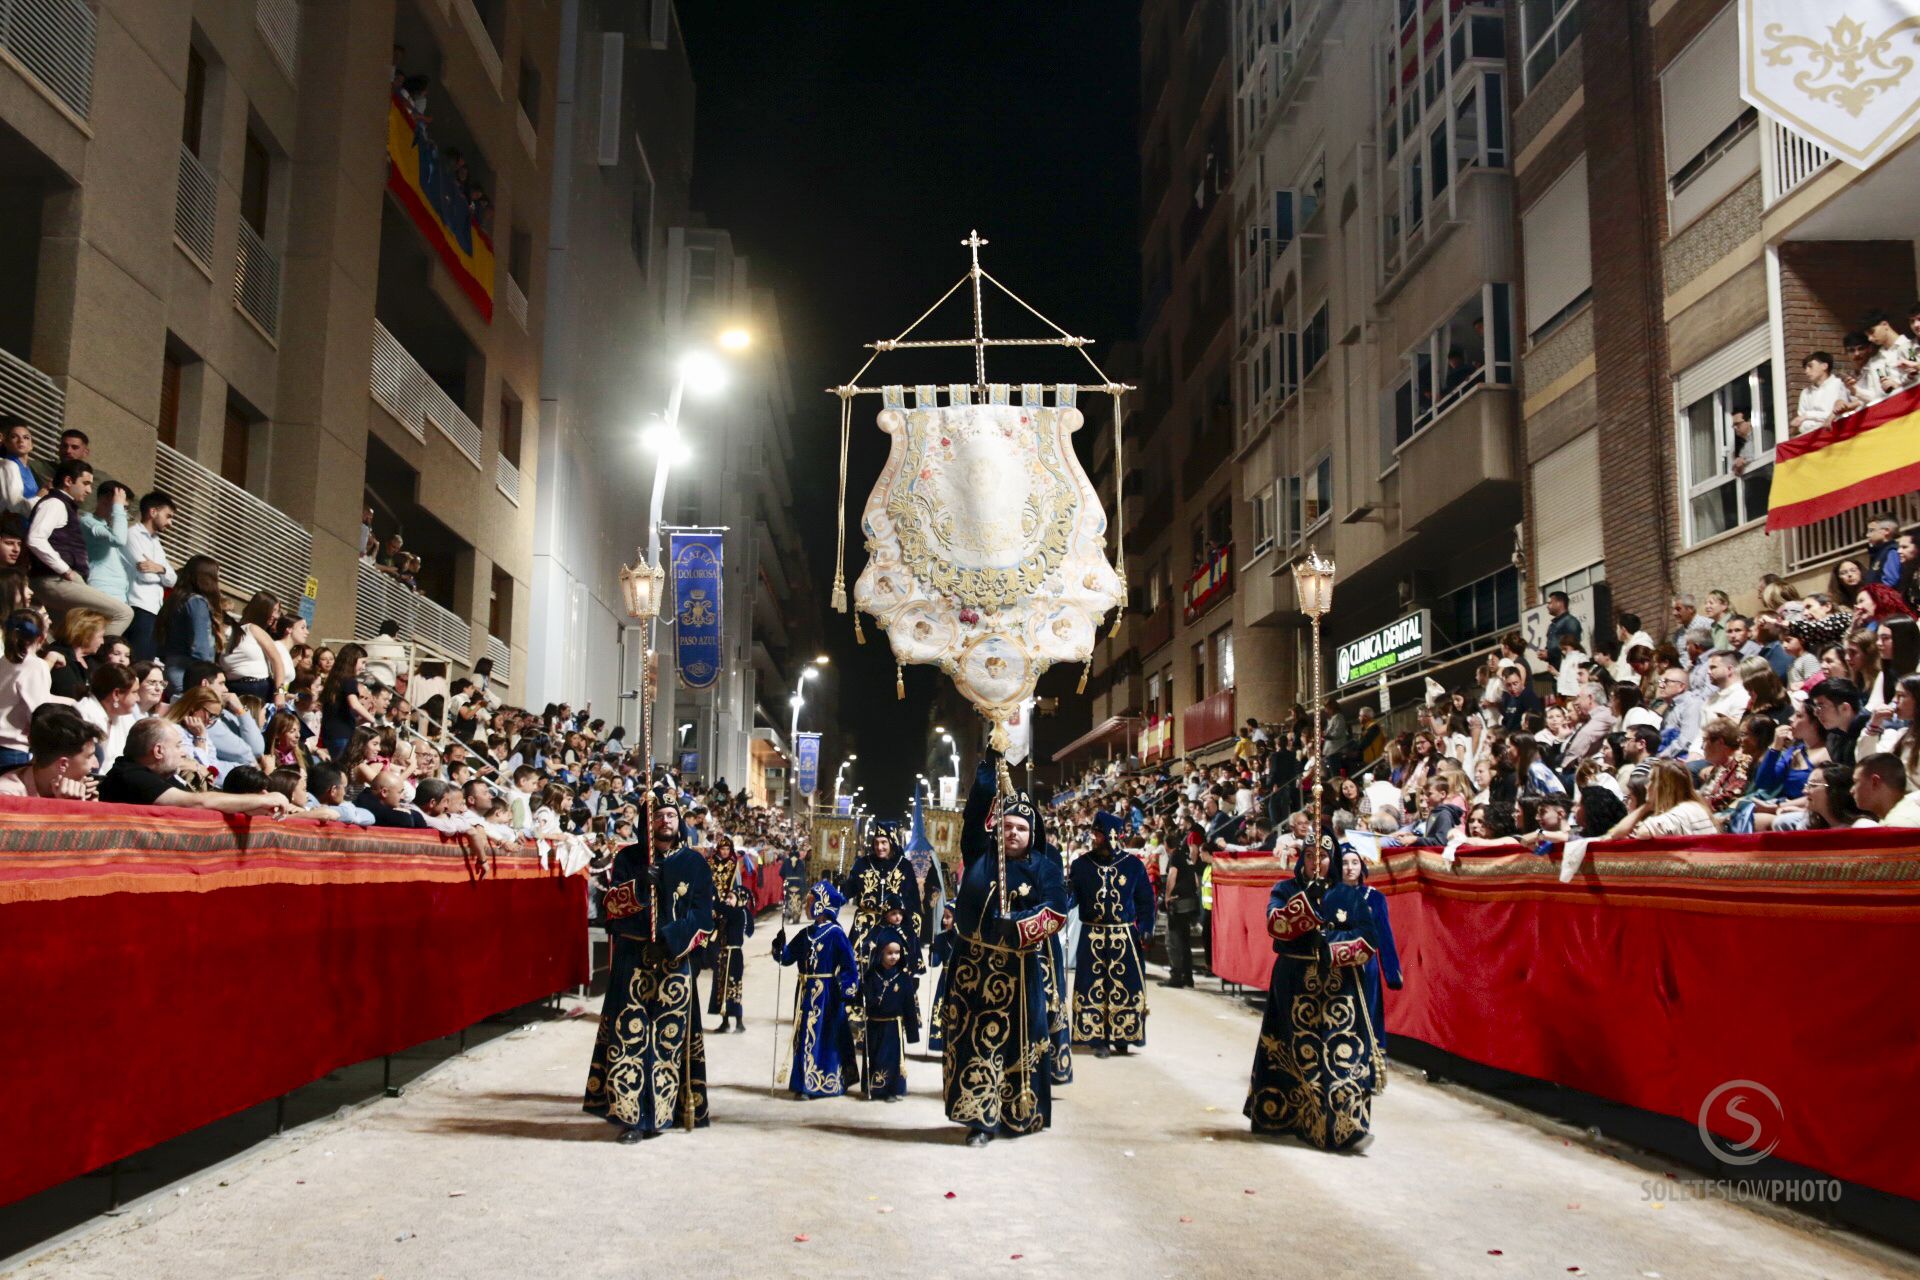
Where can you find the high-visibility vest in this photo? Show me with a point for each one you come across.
(1206, 888)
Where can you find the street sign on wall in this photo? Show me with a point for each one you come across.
(1396, 645)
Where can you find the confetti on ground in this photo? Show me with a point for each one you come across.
(1184, 1218)
(1250, 1191)
(1127, 1154)
(1653, 1204)
(1574, 1205)
(1017, 1256)
(801, 1239)
(1496, 1252)
(1212, 1108)
(951, 1196)
(886, 1208)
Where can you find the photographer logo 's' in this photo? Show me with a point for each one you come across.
(1750, 1112)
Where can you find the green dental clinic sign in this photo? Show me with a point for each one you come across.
(1386, 650)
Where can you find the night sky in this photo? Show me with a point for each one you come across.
(849, 147)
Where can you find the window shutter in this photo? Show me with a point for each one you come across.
(613, 51)
(1723, 366)
(1566, 509)
(1559, 251)
(1700, 90)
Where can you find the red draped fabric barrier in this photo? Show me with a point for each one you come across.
(163, 969)
(1661, 970)
(765, 886)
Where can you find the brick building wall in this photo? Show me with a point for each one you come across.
(1627, 214)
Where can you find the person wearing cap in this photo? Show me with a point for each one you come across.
(1115, 898)
(994, 1021)
(822, 1052)
(1318, 1061)
(649, 1068)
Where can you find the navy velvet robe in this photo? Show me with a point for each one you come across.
(823, 1050)
(1115, 899)
(649, 1068)
(893, 1022)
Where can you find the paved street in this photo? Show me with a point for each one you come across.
(486, 1168)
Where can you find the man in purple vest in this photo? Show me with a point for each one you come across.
(57, 549)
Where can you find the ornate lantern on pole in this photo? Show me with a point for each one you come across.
(641, 585)
(1313, 588)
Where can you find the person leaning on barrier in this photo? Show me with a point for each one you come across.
(145, 774)
(62, 747)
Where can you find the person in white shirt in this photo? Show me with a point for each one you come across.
(152, 574)
(62, 763)
(57, 549)
(1728, 696)
(1894, 364)
(18, 485)
(1823, 398)
(1880, 789)
(112, 706)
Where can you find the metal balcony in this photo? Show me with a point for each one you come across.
(53, 40)
(516, 300)
(259, 546)
(193, 210)
(378, 598)
(405, 390)
(32, 395)
(502, 654)
(256, 282)
(279, 24)
(506, 478)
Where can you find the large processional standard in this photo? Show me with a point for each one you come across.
(986, 543)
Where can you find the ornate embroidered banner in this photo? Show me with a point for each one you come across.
(806, 750)
(988, 554)
(697, 559)
(1843, 73)
(832, 845)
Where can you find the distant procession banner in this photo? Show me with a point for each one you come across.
(843, 807)
(806, 748)
(1842, 75)
(832, 844)
(696, 607)
(430, 193)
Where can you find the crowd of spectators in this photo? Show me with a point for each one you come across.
(1798, 716)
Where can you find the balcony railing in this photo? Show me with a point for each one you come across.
(256, 282)
(32, 395)
(1787, 161)
(378, 598)
(53, 40)
(259, 546)
(1211, 583)
(502, 654)
(516, 300)
(279, 24)
(406, 391)
(506, 478)
(1825, 541)
(193, 209)
(1207, 721)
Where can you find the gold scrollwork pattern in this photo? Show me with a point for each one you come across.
(990, 1054)
(1839, 66)
(649, 1060)
(1314, 1070)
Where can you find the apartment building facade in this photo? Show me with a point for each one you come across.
(1683, 255)
(214, 281)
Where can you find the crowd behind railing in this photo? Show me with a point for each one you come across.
(124, 679)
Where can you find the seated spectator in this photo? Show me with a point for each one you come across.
(19, 487)
(147, 773)
(188, 628)
(152, 677)
(191, 714)
(112, 705)
(82, 633)
(26, 681)
(1671, 809)
(1518, 698)
(253, 663)
(245, 780)
(234, 730)
(1837, 706)
(1728, 765)
(57, 548)
(327, 797)
(1880, 789)
(63, 758)
(386, 800)
(1598, 810)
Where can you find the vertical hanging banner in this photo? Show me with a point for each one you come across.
(696, 607)
(806, 748)
(1836, 75)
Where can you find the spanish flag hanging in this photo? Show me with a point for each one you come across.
(429, 193)
(1865, 457)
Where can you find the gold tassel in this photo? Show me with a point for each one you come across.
(899, 682)
(859, 636)
(1083, 677)
(839, 595)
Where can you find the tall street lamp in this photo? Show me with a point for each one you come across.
(954, 748)
(838, 775)
(1313, 586)
(797, 701)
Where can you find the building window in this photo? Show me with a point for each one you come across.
(1473, 348)
(1572, 582)
(1314, 342)
(1727, 435)
(642, 230)
(1712, 136)
(1153, 694)
(509, 427)
(1558, 252)
(1263, 514)
(1223, 658)
(1199, 670)
(1481, 608)
(1547, 29)
(196, 93)
(1220, 523)
(1309, 499)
